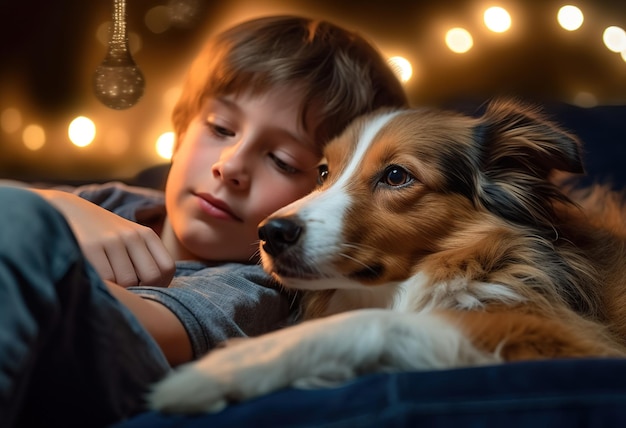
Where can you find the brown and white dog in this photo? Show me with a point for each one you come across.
(436, 240)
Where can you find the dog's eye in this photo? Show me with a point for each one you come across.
(322, 174)
(396, 176)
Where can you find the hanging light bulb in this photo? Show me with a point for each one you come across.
(117, 82)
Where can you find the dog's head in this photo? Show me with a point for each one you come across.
(396, 185)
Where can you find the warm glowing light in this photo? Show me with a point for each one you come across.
(11, 120)
(614, 38)
(34, 137)
(165, 145)
(570, 17)
(81, 131)
(623, 54)
(102, 33)
(585, 99)
(459, 40)
(157, 19)
(497, 19)
(402, 67)
(135, 42)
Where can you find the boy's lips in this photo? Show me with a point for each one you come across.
(216, 207)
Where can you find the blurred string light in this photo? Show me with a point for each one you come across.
(176, 13)
(459, 40)
(183, 13)
(34, 137)
(570, 18)
(585, 99)
(157, 19)
(11, 120)
(118, 82)
(497, 19)
(81, 131)
(165, 145)
(614, 38)
(402, 67)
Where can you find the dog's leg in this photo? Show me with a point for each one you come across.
(334, 349)
(516, 335)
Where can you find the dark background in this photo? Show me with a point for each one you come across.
(50, 49)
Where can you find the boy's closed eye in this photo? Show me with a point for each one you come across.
(283, 165)
(219, 130)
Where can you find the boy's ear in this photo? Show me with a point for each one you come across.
(520, 150)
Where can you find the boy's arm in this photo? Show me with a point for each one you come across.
(159, 321)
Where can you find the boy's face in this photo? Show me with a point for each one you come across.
(243, 157)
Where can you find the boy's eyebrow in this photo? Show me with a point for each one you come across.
(229, 103)
(233, 105)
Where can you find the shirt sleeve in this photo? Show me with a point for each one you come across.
(130, 202)
(222, 302)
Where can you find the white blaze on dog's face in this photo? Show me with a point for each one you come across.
(383, 206)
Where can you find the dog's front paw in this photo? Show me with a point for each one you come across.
(187, 390)
(244, 369)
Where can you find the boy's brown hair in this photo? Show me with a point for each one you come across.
(340, 72)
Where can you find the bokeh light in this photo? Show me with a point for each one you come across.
(157, 19)
(459, 40)
(81, 131)
(402, 67)
(430, 72)
(614, 38)
(11, 120)
(497, 19)
(570, 18)
(165, 145)
(585, 99)
(34, 137)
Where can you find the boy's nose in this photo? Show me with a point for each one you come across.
(233, 167)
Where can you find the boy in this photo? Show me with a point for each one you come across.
(258, 104)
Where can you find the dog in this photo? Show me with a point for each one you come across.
(436, 240)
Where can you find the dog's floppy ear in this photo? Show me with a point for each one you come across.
(519, 134)
(519, 149)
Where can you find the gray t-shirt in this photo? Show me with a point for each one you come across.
(213, 302)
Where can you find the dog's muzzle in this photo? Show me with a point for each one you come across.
(278, 234)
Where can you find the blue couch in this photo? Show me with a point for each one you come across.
(557, 393)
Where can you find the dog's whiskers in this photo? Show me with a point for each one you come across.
(357, 246)
(256, 255)
(357, 261)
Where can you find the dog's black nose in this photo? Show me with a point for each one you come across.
(279, 234)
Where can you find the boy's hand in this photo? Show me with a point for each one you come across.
(120, 250)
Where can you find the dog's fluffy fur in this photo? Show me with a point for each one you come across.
(436, 240)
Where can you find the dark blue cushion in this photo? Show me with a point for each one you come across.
(553, 393)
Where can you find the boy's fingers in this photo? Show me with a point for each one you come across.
(101, 264)
(120, 261)
(151, 262)
(163, 260)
